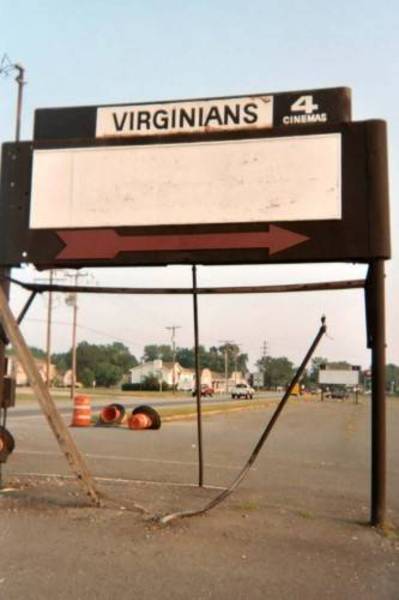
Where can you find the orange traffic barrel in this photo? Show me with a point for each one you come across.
(144, 417)
(113, 414)
(140, 421)
(7, 444)
(81, 412)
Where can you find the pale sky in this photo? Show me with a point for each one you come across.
(98, 52)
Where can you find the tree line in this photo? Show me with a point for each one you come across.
(105, 365)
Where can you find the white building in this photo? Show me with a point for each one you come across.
(16, 370)
(184, 379)
(165, 372)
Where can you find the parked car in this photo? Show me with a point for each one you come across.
(242, 390)
(206, 390)
(339, 394)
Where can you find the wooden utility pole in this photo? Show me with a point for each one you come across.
(56, 422)
(172, 329)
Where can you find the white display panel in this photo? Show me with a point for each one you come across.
(336, 377)
(292, 178)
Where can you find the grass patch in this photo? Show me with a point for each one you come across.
(305, 514)
(390, 531)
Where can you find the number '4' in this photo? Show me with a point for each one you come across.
(304, 104)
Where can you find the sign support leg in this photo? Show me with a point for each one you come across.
(61, 433)
(375, 297)
(5, 288)
(198, 381)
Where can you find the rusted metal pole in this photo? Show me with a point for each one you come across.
(376, 300)
(5, 273)
(74, 362)
(26, 307)
(5, 289)
(198, 381)
(61, 433)
(248, 289)
(48, 336)
(21, 82)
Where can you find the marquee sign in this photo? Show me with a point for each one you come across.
(266, 194)
(239, 113)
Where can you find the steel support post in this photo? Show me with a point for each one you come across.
(198, 381)
(375, 298)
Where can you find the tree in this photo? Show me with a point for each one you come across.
(276, 371)
(87, 377)
(392, 378)
(107, 374)
(105, 364)
(155, 351)
(186, 357)
(212, 359)
(315, 368)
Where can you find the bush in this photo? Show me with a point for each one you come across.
(149, 384)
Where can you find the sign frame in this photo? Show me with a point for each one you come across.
(362, 233)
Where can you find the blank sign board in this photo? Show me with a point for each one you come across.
(294, 178)
(339, 376)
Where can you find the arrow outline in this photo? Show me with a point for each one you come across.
(106, 244)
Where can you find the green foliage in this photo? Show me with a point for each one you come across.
(149, 384)
(104, 364)
(213, 359)
(276, 371)
(87, 377)
(107, 374)
(314, 369)
(153, 351)
(392, 378)
(38, 352)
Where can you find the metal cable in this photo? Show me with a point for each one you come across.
(191, 513)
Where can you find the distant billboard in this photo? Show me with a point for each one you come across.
(339, 376)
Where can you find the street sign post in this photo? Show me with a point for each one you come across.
(256, 179)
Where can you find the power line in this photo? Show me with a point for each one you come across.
(108, 335)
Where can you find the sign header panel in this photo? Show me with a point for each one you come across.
(195, 116)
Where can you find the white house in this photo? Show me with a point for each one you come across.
(16, 370)
(183, 378)
(165, 372)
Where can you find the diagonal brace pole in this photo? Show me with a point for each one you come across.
(60, 430)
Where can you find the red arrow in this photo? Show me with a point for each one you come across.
(107, 243)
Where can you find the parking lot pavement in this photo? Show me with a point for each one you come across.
(296, 527)
(330, 439)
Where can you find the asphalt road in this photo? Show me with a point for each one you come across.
(31, 408)
(308, 434)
